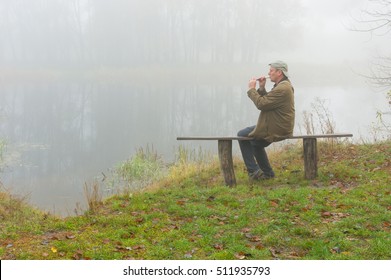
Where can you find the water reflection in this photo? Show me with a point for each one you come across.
(61, 135)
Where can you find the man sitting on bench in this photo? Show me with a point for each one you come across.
(275, 122)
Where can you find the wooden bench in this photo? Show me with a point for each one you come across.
(310, 153)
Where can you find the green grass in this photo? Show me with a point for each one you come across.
(141, 170)
(190, 214)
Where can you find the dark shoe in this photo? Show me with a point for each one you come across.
(264, 176)
(259, 176)
(255, 175)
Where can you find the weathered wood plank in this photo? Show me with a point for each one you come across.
(226, 163)
(336, 135)
(214, 138)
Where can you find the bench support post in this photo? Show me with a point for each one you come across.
(310, 153)
(226, 163)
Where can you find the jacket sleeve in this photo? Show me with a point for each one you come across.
(261, 92)
(270, 101)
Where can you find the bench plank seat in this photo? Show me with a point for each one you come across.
(249, 138)
(310, 152)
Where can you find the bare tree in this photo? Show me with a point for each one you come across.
(377, 22)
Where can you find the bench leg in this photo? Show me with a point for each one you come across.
(226, 163)
(310, 152)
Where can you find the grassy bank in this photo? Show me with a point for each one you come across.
(189, 214)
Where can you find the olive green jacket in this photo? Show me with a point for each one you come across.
(277, 117)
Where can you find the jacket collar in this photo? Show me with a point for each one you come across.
(283, 79)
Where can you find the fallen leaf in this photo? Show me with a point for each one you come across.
(182, 201)
(336, 250)
(78, 255)
(119, 248)
(106, 241)
(55, 237)
(245, 230)
(174, 226)
(54, 249)
(255, 239)
(248, 235)
(218, 246)
(138, 247)
(274, 252)
(188, 256)
(274, 203)
(240, 256)
(341, 215)
(326, 214)
(126, 235)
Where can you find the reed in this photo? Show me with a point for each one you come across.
(93, 195)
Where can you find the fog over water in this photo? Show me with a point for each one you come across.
(84, 84)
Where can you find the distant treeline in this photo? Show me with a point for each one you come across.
(117, 33)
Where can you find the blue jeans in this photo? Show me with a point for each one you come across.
(254, 154)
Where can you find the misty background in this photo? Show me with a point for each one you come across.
(84, 84)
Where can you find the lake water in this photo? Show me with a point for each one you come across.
(62, 134)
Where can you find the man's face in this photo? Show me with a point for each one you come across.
(274, 74)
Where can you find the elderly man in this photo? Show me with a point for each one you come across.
(275, 122)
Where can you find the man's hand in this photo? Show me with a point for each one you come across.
(252, 83)
(262, 82)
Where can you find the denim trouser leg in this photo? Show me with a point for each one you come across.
(247, 151)
(254, 154)
(261, 156)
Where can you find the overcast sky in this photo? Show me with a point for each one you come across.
(329, 37)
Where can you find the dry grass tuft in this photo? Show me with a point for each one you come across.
(93, 195)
